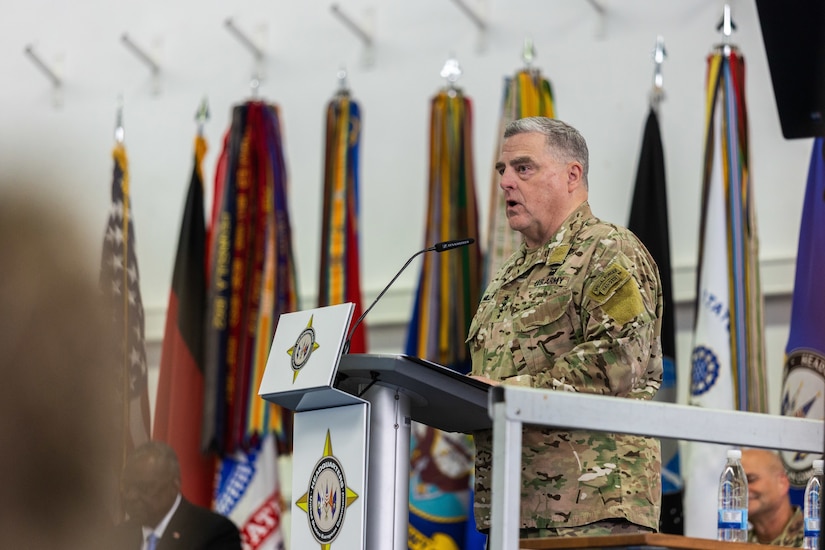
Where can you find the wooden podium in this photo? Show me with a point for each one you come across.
(639, 541)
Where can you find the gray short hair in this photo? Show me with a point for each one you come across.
(562, 138)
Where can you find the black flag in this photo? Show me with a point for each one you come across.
(649, 221)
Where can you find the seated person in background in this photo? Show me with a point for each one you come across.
(773, 519)
(150, 491)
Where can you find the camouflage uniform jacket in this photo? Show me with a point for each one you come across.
(793, 535)
(581, 313)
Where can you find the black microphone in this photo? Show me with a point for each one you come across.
(437, 247)
(449, 245)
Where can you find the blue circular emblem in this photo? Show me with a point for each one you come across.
(705, 370)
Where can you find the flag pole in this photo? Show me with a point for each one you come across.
(119, 138)
(657, 95)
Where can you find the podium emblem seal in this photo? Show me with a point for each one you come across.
(327, 498)
(300, 353)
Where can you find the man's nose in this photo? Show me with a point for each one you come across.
(506, 181)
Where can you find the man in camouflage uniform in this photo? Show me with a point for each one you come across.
(773, 519)
(576, 308)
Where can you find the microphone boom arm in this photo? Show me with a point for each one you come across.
(438, 247)
(377, 298)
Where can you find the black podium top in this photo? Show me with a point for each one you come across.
(439, 397)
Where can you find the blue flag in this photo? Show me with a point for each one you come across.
(803, 382)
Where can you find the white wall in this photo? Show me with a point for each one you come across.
(601, 70)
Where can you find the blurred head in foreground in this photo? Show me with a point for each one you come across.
(55, 397)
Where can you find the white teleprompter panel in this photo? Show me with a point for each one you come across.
(303, 359)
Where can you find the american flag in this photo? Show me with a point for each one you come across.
(120, 285)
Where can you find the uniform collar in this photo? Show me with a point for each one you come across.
(555, 250)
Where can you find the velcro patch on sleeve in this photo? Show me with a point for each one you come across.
(625, 304)
(617, 293)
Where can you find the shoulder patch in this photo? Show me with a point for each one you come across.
(625, 304)
(617, 294)
(608, 281)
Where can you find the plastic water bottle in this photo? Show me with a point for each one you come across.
(732, 522)
(811, 508)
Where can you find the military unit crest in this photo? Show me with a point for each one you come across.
(804, 389)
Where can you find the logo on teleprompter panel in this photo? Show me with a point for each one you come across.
(327, 498)
(802, 394)
(305, 344)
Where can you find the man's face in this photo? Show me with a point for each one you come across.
(767, 486)
(537, 187)
(148, 490)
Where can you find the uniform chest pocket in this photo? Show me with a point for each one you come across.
(475, 336)
(544, 331)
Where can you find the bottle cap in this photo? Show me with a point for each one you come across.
(735, 453)
(818, 464)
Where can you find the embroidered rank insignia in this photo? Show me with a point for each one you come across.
(558, 254)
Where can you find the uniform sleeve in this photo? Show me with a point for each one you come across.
(620, 320)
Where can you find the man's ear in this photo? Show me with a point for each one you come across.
(784, 483)
(574, 175)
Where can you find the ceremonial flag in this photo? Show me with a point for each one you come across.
(251, 282)
(649, 221)
(179, 402)
(526, 94)
(448, 293)
(340, 279)
(803, 381)
(249, 494)
(728, 369)
(119, 282)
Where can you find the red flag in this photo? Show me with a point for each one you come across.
(252, 280)
(179, 404)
